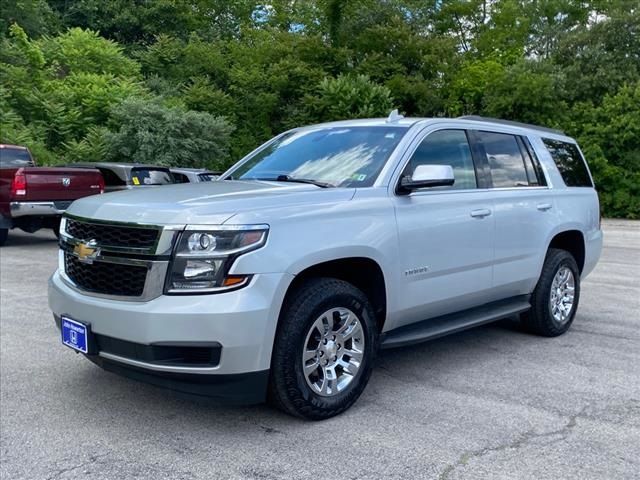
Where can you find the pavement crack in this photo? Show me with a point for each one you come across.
(61, 471)
(524, 439)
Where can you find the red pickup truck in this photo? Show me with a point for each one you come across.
(33, 197)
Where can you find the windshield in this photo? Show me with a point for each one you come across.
(147, 176)
(15, 158)
(336, 156)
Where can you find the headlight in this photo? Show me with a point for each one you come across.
(202, 258)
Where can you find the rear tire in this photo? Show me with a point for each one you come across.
(554, 301)
(324, 349)
(4, 233)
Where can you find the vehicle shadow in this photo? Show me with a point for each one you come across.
(18, 238)
(107, 392)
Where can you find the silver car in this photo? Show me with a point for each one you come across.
(284, 278)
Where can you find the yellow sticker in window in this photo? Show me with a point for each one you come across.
(135, 180)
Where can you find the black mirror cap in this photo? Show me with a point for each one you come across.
(407, 185)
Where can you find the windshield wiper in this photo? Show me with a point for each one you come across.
(287, 178)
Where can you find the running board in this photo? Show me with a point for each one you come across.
(455, 322)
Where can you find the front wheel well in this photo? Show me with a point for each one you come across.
(571, 241)
(363, 273)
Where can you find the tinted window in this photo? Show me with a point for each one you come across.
(338, 156)
(179, 177)
(569, 162)
(505, 159)
(148, 176)
(15, 158)
(531, 163)
(110, 178)
(447, 147)
(207, 177)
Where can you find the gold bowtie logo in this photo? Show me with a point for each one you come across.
(86, 251)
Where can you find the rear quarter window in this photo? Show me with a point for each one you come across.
(570, 163)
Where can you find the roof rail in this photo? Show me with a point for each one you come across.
(511, 123)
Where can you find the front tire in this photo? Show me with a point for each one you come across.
(324, 349)
(4, 233)
(554, 301)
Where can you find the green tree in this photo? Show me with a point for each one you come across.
(149, 132)
(349, 96)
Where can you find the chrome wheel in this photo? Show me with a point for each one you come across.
(562, 295)
(333, 351)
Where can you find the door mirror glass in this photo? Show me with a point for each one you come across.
(425, 176)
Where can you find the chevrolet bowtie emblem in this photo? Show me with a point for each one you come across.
(86, 252)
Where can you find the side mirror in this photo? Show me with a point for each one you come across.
(425, 176)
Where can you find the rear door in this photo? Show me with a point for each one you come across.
(445, 234)
(523, 210)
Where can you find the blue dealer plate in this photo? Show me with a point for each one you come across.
(74, 334)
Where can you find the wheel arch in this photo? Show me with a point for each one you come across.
(364, 272)
(572, 240)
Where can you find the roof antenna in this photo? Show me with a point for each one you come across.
(394, 116)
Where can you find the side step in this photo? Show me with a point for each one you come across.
(455, 322)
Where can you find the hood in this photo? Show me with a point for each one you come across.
(202, 203)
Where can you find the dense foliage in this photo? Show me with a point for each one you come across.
(202, 82)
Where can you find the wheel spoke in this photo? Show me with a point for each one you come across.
(335, 339)
(310, 368)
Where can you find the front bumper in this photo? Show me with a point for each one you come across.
(45, 209)
(242, 322)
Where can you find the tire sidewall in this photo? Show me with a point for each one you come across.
(298, 324)
(549, 325)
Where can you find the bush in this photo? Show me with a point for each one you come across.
(149, 132)
(350, 96)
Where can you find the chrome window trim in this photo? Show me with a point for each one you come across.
(428, 191)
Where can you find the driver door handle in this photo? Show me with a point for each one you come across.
(543, 207)
(480, 213)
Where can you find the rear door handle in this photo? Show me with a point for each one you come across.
(543, 207)
(481, 213)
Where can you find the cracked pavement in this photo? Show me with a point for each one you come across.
(492, 402)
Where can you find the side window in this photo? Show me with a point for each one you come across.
(447, 147)
(569, 162)
(110, 178)
(179, 177)
(532, 164)
(505, 159)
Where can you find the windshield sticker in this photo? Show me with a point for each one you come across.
(358, 177)
(135, 180)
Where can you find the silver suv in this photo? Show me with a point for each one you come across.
(283, 279)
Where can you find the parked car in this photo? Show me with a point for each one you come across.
(123, 176)
(34, 197)
(193, 175)
(283, 278)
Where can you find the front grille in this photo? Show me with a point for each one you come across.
(112, 235)
(106, 278)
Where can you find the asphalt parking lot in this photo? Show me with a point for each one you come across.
(487, 403)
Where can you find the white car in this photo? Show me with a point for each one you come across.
(284, 278)
(193, 175)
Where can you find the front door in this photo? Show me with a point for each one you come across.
(446, 234)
